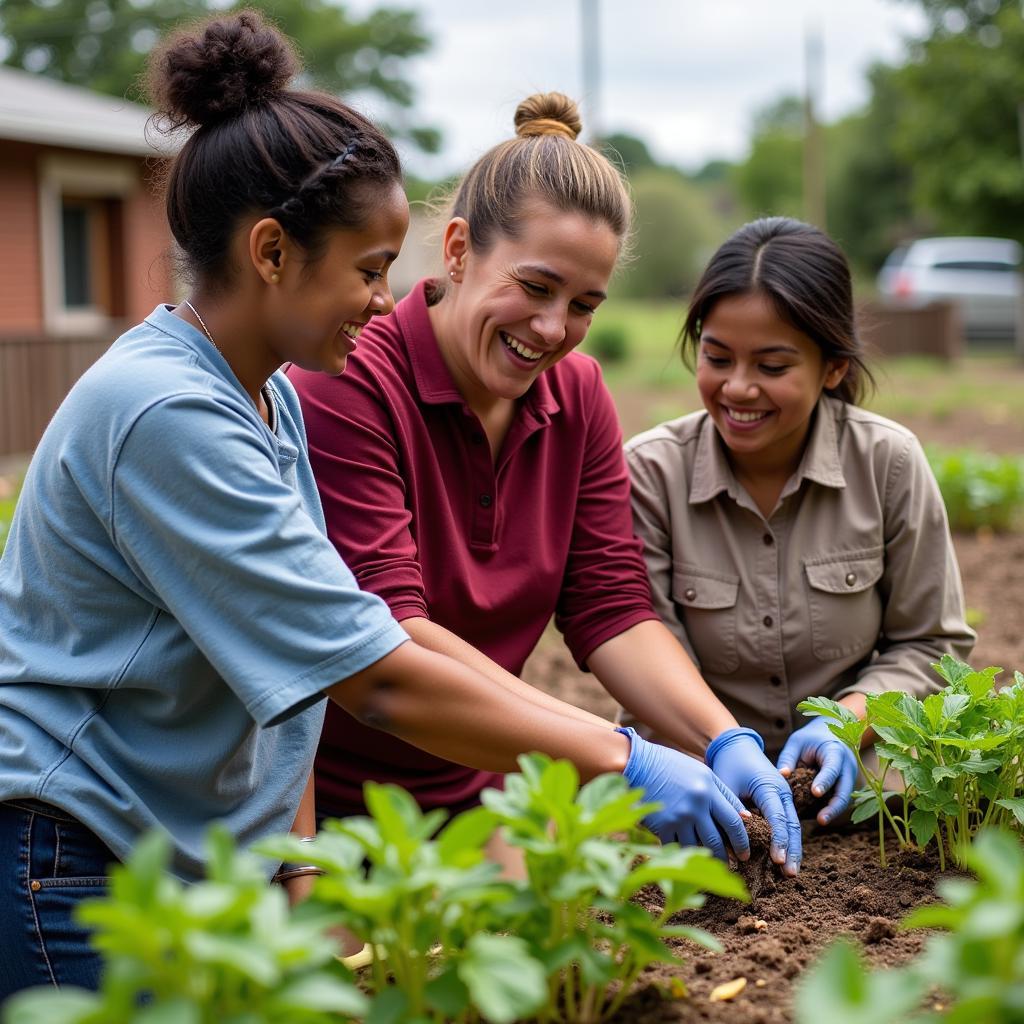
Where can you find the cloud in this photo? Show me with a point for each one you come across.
(685, 77)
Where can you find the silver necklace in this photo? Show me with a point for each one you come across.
(206, 330)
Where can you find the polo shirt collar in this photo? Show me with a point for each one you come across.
(712, 473)
(431, 375)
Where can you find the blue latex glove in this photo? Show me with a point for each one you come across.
(695, 804)
(814, 744)
(736, 756)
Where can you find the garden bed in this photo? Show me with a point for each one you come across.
(841, 890)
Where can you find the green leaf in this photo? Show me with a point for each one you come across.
(840, 989)
(177, 1011)
(391, 1006)
(867, 808)
(826, 708)
(923, 825)
(322, 992)
(462, 840)
(504, 980)
(933, 706)
(447, 993)
(886, 709)
(50, 1006)
(1015, 805)
(247, 956)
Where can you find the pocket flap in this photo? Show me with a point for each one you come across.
(845, 575)
(694, 589)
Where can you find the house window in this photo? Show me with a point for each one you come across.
(91, 255)
(82, 211)
(76, 228)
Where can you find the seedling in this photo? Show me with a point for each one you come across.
(960, 753)
(224, 950)
(575, 867)
(427, 902)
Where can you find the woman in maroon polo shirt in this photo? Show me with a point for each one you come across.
(471, 472)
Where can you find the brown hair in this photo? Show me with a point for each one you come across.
(804, 274)
(543, 163)
(257, 146)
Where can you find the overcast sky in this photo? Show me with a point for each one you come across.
(684, 75)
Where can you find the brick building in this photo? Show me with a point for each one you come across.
(84, 244)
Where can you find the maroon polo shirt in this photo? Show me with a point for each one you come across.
(489, 549)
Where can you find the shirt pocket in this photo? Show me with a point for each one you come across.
(706, 603)
(845, 606)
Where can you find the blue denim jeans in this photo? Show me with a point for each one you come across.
(49, 862)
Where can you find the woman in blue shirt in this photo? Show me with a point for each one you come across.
(171, 612)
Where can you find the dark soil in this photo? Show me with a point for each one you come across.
(841, 890)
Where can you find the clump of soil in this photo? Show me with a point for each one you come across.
(807, 804)
(760, 871)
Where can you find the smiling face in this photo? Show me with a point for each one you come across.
(518, 308)
(322, 306)
(760, 379)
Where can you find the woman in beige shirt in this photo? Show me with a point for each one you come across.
(797, 545)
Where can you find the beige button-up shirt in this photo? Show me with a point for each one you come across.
(850, 585)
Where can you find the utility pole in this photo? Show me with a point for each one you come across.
(591, 41)
(814, 140)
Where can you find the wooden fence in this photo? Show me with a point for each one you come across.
(35, 375)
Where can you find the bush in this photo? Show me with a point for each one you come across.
(980, 490)
(608, 343)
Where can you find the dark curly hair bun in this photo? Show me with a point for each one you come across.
(213, 71)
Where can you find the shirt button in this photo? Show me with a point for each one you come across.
(485, 500)
(767, 620)
(768, 539)
(780, 723)
(851, 578)
(775, 681)
(690, 595)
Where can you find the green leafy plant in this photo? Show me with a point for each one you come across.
(427, 902)
(980, 489)
(960, 753)
(608, 343)
(977, 963)
(223, 951)
(576, 867)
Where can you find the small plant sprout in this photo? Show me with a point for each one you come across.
(576, 867)
(225, 949)
(960, 753)
(427, 902)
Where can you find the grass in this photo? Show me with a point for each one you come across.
(8, 498)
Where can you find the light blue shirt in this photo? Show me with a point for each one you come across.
(170, 607)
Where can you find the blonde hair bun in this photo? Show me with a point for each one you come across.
(548, 113)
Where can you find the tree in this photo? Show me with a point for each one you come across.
(675, 232)
(870, 185)
(102, 44)
(628, 151)
(958, 105)
(770, 180)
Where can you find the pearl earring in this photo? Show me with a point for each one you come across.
(451, 274)
(274, 278)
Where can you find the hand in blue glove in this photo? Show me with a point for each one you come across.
(695, 804)
(736, 756)
(814, 744)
